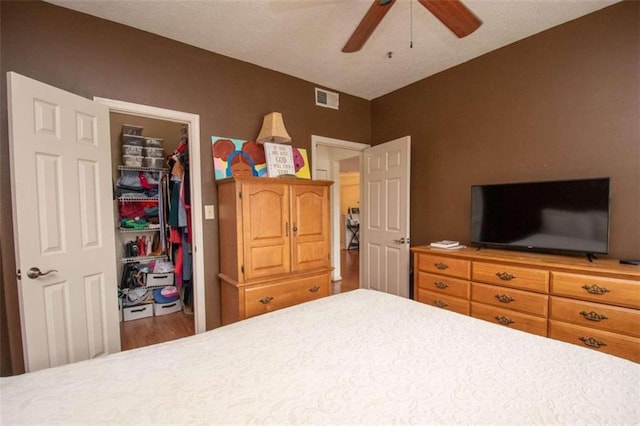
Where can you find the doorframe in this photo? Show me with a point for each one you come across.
(193, 122)
(358, 149)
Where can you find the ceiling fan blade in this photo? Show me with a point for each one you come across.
(368, 24)
(454, 15)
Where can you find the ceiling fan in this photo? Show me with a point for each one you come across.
(452, 13)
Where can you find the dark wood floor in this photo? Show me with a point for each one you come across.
(349, 270)
(152, 330)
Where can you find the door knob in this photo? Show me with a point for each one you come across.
(402, 241)
(34, 273)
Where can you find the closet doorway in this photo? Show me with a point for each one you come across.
(174, 127)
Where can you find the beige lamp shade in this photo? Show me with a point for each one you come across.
(273, 129)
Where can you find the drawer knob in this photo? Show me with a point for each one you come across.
(503, 298)
(440, 303)
(441, 265)
(505, 276)
(504, 320)
(441, 285)
(593, 316)
(590, 341)
(266, 300)
(314, 289)
(595, 289)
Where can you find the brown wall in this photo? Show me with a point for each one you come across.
(94, 57)
(561, 104)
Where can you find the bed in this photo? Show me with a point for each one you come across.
(361, 357)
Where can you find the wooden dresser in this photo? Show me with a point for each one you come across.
(274, 244)
(592, 304)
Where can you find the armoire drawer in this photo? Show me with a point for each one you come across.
(612, 291)
(612, 343)
(443, 301)
(512, 319)
(596, 315)
(510, 298)
(438, 283)
(260, 299)
(442, 265)
(511, 276)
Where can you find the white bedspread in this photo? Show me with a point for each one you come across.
(358, 357)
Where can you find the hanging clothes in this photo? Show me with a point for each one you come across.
(179, 218)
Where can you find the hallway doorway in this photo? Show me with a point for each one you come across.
(326, 156)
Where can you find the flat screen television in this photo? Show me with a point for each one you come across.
(568, 215)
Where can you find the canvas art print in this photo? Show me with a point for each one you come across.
(236, 157)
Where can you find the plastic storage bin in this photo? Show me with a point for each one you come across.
(132, 140)
(132, 150)
(154, 162)
(153, 152)
(132, 129)
(132, 160)
(153, 142)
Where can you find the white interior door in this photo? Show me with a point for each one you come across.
(384, 218)
(63, 224)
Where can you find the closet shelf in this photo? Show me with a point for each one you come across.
(150, 287)
(134, 230)
(136, 199)
(143, 259)
(142, 169)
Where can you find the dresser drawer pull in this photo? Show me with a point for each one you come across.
(266, 300)
(503, 298)
(505, 276)
(314, 289)
(593, 316)
(504, 320)
(441, 285)
(441, 265)
(590, 341)
(440, 303)
(595, 289)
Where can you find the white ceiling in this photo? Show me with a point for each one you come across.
(304, 38)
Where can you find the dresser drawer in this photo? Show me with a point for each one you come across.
(509, 298)
(612, 343)
(518, 320)
(452, 267)
(612, 291)
(511, 276)
(596, 315)
(438, 283)
(443, 301)
(269, 297)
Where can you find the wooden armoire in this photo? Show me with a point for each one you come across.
(274, 244)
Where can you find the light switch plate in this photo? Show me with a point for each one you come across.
(209, 212)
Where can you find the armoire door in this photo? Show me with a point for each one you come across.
(266, 230)
(310, 226)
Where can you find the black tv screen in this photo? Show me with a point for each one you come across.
(569, 215)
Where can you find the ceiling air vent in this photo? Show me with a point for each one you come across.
(327, 99)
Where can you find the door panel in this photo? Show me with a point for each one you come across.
(265, 209)
(385, 217)
(310, 225)
(63, 223)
